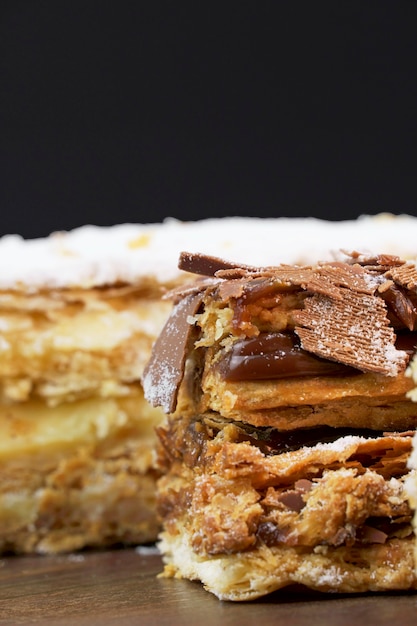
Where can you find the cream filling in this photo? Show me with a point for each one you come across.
(69, 345)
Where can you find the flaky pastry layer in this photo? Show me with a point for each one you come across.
(78, 474)
(364, 400)
(63, 345)
(269, 507)
(250, 575)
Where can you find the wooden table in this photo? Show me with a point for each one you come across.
(121, 588)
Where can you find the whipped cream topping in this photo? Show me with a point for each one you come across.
(91, 256)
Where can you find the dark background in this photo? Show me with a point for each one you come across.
(130, 111)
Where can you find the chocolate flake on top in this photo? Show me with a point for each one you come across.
(164, 372)
(344, 321)
(207, 265)
(330, 277)
(405, 275)
(354, 331)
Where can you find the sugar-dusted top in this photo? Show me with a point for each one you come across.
(92, 256)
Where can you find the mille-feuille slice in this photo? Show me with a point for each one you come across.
(78, 313)
(285, 452)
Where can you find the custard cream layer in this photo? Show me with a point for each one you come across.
(77, 474)
(65, 344)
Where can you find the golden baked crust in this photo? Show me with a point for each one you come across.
(332, 516)
(366, 400)
(250, 575)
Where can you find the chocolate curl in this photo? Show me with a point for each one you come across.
(354, 331)
(165, 370)
(207, 265)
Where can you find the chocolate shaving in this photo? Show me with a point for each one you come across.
(402, 306)
(369, 534)
(292, 499)
(164, 372)
(292, 276)
(405, 275)
(198, 286)
(303, 485)
(207, 265)
(379, 262)
(354, 331)
(329, 277)
(240, 272)
(233, 289)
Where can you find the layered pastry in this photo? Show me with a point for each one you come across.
(76, 435)
(79, 312)
(290, 425)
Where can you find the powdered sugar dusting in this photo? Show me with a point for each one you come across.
(160, 393)
(91, 255)
(332, 576)
(341, 445)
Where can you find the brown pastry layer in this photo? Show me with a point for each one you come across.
(232, 493)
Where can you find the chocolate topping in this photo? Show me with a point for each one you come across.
(379, 262)
(405, 275)
(165, 369)
(275, 355)
(207, 265)
(347, 318)
(330, 279)
(402, 306)
(354, 331)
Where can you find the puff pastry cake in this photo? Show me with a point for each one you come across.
(290, 425)
(79, 312)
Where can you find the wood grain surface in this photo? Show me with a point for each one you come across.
(121, 588)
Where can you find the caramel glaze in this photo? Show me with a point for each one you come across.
(276, 355)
